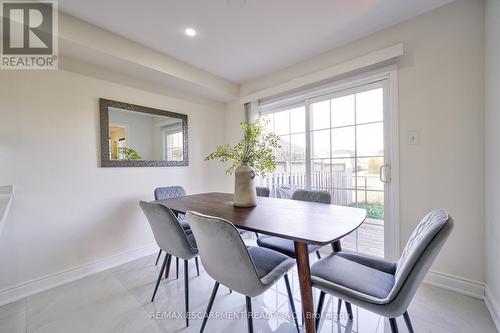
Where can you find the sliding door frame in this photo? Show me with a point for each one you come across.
(389, 76)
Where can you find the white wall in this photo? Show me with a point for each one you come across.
(441, 96)
(67, 211)
(235, 114)
(492, 152)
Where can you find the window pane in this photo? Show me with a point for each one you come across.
(369, 173)
(349, 242)
(371, 198)
(298, 173)
(320, 115)
(321, 176)
(321, 144)
(343, 173)
(373, 202)
(269, 121)
(370, 106)
(371, 237)
(179, 139)
(343, 111)
(298, 120)
(370, 140)
(343, 142)
(343, 197)
(298, 145)
(281, 167)
(283, 153)
(282, 122)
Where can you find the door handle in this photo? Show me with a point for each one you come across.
(385, 173)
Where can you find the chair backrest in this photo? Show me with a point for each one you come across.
(282, 192)
(420, 252)
(167, 230)
(312, 196)
(262, 191)
(169, 192)
(223, 253)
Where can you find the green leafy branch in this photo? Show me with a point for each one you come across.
(129, 154)
(255, 149)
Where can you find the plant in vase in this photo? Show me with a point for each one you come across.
(253, 155)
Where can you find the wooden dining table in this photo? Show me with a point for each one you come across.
(300, 221)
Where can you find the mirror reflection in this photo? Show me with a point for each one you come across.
(135, 136)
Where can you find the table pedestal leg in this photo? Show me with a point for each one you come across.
(302, 256)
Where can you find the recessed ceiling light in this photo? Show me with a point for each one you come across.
(190, 32)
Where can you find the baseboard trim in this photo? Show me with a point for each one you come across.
(456, 284)
(493, 307)
(15, 293)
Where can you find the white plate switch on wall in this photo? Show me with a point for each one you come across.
(413, 138)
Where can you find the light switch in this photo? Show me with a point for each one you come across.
(413, 138)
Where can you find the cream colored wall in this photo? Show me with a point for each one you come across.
(441, 96)
(492, 153)
(67, 210)
(234, 114)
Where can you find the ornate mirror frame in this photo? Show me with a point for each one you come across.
(104, 105)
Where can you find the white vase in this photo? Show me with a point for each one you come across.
(244, 188)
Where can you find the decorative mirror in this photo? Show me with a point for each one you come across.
(138, 136)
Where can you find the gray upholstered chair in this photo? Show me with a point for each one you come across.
(381, 286)
(169, 192)
(247, 270)
(262, 191)
(171, 238)
(286, 246)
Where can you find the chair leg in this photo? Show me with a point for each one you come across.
(318, 255)
(394, 325)
(158, 258)
(167, 267)
(349, 310)
(336, 246)
(197, 265)
(159, 276)
(319, 310)
(339, 308)
(186, 291)
(249, 314)
(209, 306)
(406, 316)
(177, 268)
(292, 303)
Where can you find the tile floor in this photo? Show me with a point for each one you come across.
(118, 300)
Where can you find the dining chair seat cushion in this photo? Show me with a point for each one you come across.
(370, 261)
(270, 265)
(365, 278)
(282, 245)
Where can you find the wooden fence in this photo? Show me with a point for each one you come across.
(283, 184)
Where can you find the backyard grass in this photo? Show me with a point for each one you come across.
(374, 211)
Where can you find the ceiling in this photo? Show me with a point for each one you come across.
(244, 39)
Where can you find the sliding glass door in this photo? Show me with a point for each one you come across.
(347, 157)
(337, 143)
(290, 174)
